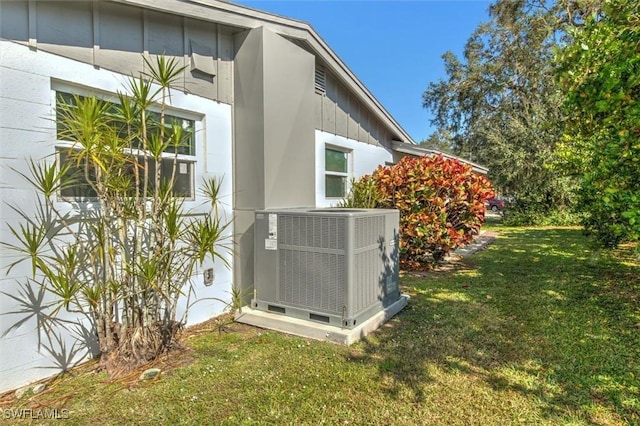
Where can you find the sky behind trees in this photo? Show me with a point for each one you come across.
(393, 47)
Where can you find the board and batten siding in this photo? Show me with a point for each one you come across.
(341, 113)
(114, 37)
(28, 80)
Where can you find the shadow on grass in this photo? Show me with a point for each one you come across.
(539, 313)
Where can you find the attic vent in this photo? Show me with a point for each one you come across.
(321, 82)
(202, 59)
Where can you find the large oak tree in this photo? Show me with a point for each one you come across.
(501, 104)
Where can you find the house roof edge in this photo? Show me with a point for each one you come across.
(236, 15)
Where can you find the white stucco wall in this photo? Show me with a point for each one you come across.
(363, 159)
(27, 130)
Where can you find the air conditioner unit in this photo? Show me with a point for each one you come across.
(334, 266)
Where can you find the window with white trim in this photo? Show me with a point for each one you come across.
(177, 161)
(336, 165)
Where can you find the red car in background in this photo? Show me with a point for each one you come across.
(496, 204)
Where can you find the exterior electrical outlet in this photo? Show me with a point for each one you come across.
(209, 275)
(334, 266)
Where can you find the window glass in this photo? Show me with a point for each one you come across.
(183, 176)
(184, 170)
(78, 186)
(336, 172)
(187, 144)
(335, 161)
(335, 186)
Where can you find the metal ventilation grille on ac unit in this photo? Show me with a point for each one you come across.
(312, 261)
(369, 231)
(311, 231)
(369, 243)
(312, 280)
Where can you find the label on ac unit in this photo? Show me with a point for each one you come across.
(273, 226)
(270, 244)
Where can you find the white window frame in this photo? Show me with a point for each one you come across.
(110, 97)
(346, 175)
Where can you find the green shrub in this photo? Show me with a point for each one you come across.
(441, 203)
(363, 194)
(558, 217)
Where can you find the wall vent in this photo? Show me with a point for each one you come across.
(321, 81)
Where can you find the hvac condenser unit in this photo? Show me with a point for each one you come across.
(334, 266)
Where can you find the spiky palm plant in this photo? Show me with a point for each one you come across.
(125, 263)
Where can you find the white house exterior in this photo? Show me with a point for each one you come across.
(29, 82)
(269, 99)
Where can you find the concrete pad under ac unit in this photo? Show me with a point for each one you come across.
(316, 330)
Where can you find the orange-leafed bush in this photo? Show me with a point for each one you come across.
(441, 203)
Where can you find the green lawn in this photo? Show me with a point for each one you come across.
(536, 329)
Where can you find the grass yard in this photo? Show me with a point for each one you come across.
(536, 329)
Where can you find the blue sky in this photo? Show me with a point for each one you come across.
(393, 47)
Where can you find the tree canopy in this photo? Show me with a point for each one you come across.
(499, 101)
(545, 95)
(599, 73)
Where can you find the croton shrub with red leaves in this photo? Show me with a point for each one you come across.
(441, 202)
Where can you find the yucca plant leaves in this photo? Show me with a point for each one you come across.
(126, 259)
